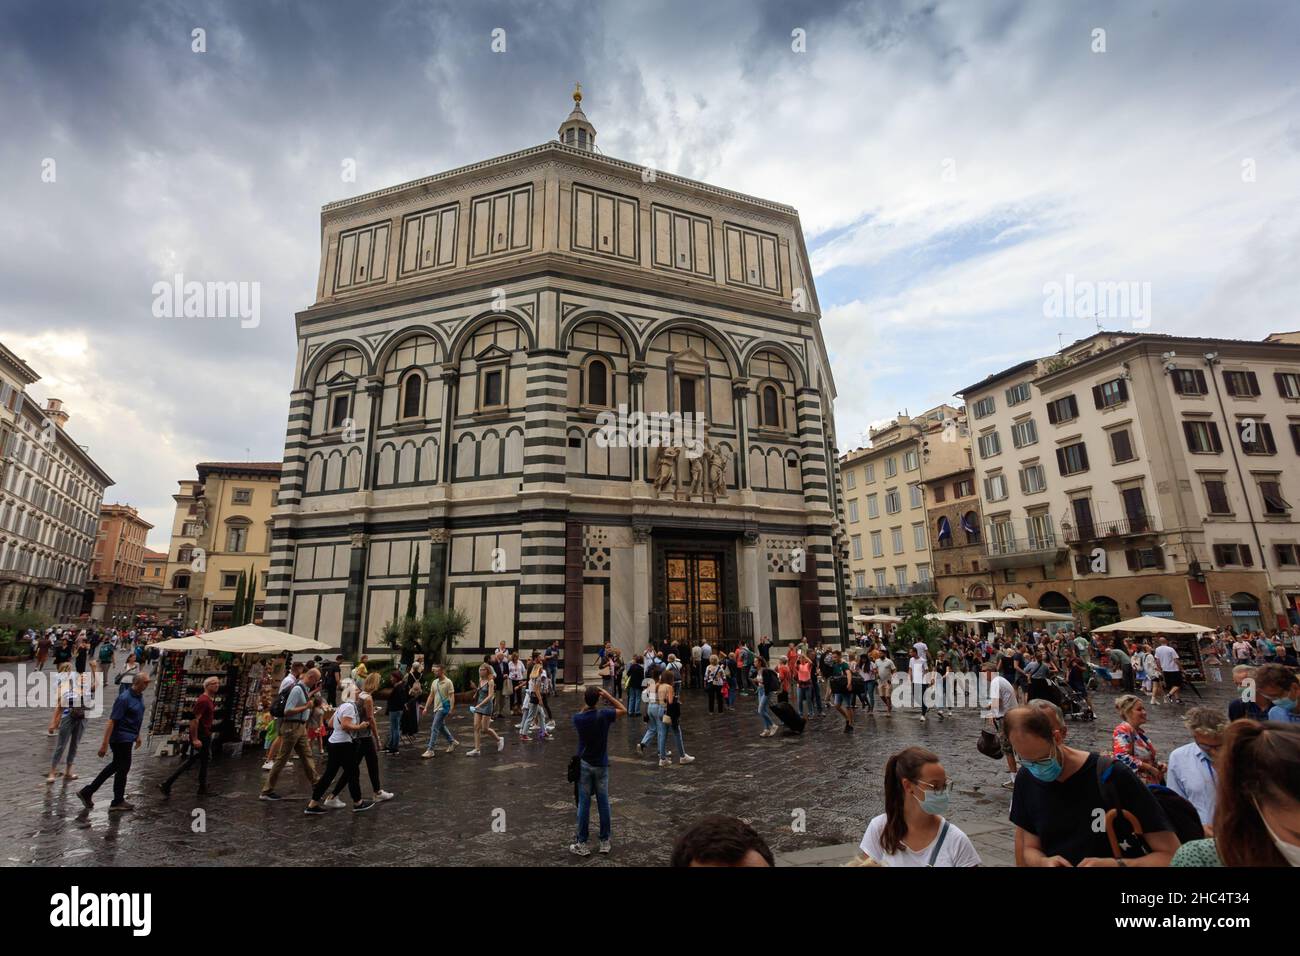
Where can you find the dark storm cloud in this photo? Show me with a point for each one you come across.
(216, 165)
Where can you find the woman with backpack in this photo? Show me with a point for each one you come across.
(912, 831)
(715, 676)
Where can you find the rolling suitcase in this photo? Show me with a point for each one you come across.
(792, 719)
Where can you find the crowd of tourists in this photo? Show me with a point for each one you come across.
(1230, 795)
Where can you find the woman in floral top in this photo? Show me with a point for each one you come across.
(1131, 746)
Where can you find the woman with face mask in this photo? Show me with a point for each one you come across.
(912, 831)
(1257, 803)
(1061, 794)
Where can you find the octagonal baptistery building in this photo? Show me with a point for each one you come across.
(465, 415)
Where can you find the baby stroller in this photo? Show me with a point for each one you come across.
(1074, 705)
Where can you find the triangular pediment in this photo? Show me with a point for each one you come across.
(688, 360)
(492, 353)
(341, 378)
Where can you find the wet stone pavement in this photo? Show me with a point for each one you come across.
(810, 796)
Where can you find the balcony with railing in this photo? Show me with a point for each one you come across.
(1097, 530)
(921, 588)
(1023, 543)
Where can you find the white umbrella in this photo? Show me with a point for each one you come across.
(1148, 624)
(877, 619)
(1038, 614)
(956, 617)
(996, 616)
(249, 639)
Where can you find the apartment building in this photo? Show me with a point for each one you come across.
(222, 526)
(50, 490)
(1148, 474)
(118, 566)
(883, 490)
(963, 581)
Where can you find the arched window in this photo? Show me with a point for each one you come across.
(1155, 605)
(597, 383)
(412, 395)
(771, 407)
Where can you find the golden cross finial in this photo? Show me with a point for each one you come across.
(577, 92)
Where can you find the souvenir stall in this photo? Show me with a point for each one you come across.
(1183, 637)
(250, 662)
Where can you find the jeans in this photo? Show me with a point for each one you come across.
(70, 731)
(341, 757)
(394, 730)
(533, 712)
(734, 690)
(817, 695)
(439, 727)
(763, 710)
(805, 695)
(634, 701)
(869, 695)
(117, 768)
(592, 779)
(657, 727)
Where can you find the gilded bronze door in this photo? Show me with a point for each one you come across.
(694, 596)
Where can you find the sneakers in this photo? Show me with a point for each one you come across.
(268, 765)
(579, 849)
(383, 795)
(1009, 784)
(84, 796)
(665, 762)
(923, 718)
(334, 803)
(452, 746)
(472, 753)
(941, 715)
(363, 806)
(269, 795)
(122, 807)
(604, 846)
(428, 753)
(501, 744)
(640, 748)
(314, 811)
(686, 758)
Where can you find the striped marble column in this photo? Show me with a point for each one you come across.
(292, 477)
(542, 545)
(820, 536)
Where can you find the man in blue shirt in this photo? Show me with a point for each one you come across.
(1191, 767)
(593, 723)
(121, 735)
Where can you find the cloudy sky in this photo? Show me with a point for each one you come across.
(949, 160)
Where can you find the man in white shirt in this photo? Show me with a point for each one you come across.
(1191, 767)
(1001, 698)
(916, 668)
(1167, 658)
(922, 651)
